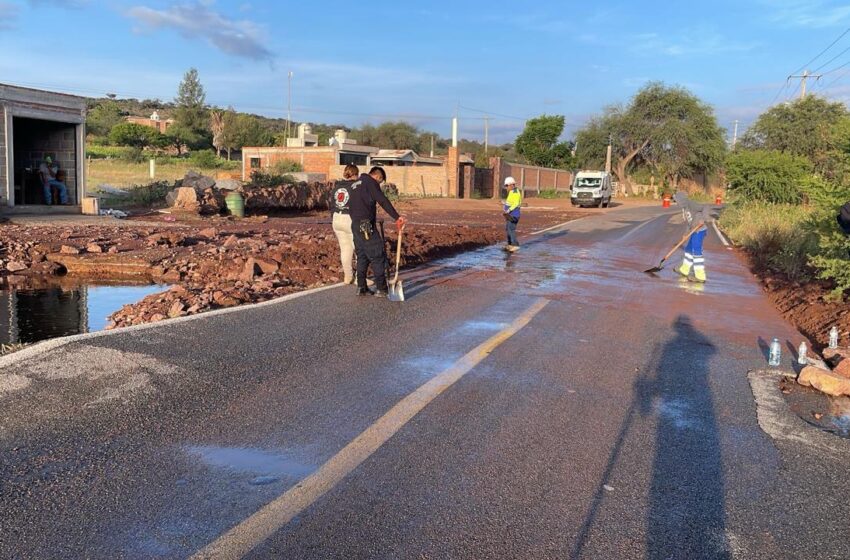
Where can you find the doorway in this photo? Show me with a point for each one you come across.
(34, 140)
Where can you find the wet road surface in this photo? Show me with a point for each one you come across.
(554, 403)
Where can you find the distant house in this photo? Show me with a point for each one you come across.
(305, 151)
(35, 124)
(154, 121)
(403, 158)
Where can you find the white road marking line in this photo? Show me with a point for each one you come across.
(253, 531)
(538, 232)
(720, 234)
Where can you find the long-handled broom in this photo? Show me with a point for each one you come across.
(681, 242)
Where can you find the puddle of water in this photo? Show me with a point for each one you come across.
(33, 313)
(831, 414)
(269, 466)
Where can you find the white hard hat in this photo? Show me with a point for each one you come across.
(510, 181)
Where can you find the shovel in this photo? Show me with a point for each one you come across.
(396, 292)
(660, 266)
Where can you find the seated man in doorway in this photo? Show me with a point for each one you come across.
(47, 171)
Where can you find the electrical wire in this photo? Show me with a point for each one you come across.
(829, 61)
(832, 44)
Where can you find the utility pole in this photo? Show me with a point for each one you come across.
(486, 135)
(289, 106)
(735, 135)
(608, 156)
(803, 77)
(432, 145)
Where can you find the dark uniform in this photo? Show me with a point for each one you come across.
(366, 194)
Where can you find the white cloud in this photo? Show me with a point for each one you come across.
(807, 13)
(689, 42)
(197, 20)
(8, 15)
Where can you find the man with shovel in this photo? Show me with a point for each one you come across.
(697, 217)
(366, 194)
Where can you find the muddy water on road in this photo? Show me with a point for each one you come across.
(602, 263)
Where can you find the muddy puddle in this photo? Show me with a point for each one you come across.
(40, 311)
(830, 414)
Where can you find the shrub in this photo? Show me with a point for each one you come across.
(775, 235)
(766, 176)
(136, 135)
(263, 179)
(832, 258)
(97, 151)
(206, 159)
(286, 166)
(552, 193)
(152, 194)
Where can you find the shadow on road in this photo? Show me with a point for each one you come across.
(685, 515)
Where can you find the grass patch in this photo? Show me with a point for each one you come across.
(775, 235)
(552, 194)
(9, 348)
(124, 174)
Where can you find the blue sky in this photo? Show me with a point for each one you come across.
(371, 61)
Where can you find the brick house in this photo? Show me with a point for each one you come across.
(36, 124)
(305, 151)
(154, 121)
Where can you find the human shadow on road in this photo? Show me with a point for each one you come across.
(685, 516)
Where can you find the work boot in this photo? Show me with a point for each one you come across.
(699, 274)
(684, 270)
(364, 292)
(381, 293)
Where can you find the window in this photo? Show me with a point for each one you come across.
(353, 159)
(255, 163)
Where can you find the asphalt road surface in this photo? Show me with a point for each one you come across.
(553, 403)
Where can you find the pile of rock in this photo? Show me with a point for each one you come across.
(835, 381)
(200, 194)
(300, 196)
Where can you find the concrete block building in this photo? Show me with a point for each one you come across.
(35, 124)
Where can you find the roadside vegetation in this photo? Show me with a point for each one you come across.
(788, 179)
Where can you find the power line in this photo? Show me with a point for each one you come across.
(492, 113)
(832, 44)
(830, 60)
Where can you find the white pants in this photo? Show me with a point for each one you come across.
(342, 230)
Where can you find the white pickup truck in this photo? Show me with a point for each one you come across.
(592, 188)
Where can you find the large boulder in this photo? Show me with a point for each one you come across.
(824, 381)
(228, 184)
(197, 181)
(300, 196)
(184, 198)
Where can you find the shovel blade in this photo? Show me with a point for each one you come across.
(396, 292)
(655, 269)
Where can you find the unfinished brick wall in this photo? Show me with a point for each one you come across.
(532, 179)
(314, 160)
(431, 180)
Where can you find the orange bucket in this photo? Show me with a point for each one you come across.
(665, 202)
(718, 199)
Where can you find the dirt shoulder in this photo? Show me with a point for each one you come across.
(212, 263)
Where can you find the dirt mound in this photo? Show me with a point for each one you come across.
(300, 196)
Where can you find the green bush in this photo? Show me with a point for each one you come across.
(766, 176)
(96, 151)
(286, 166)
(552, 193)
(206, 159)
(776, 236)
(263, 179)
(832, 258)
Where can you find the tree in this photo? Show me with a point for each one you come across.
(135, 135)
(804, 127)
(767, 176)
(539, 143)
(179, 136)
(218, 129)
(393, 135)
(102, 117)
(667, 128)
(246, 130)
(191, 111)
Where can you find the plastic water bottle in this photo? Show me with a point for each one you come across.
(775, 353)
(833, 337)
(802, 359)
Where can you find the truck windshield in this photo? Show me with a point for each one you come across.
(588, 182)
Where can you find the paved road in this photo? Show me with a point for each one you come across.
(555, 403)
